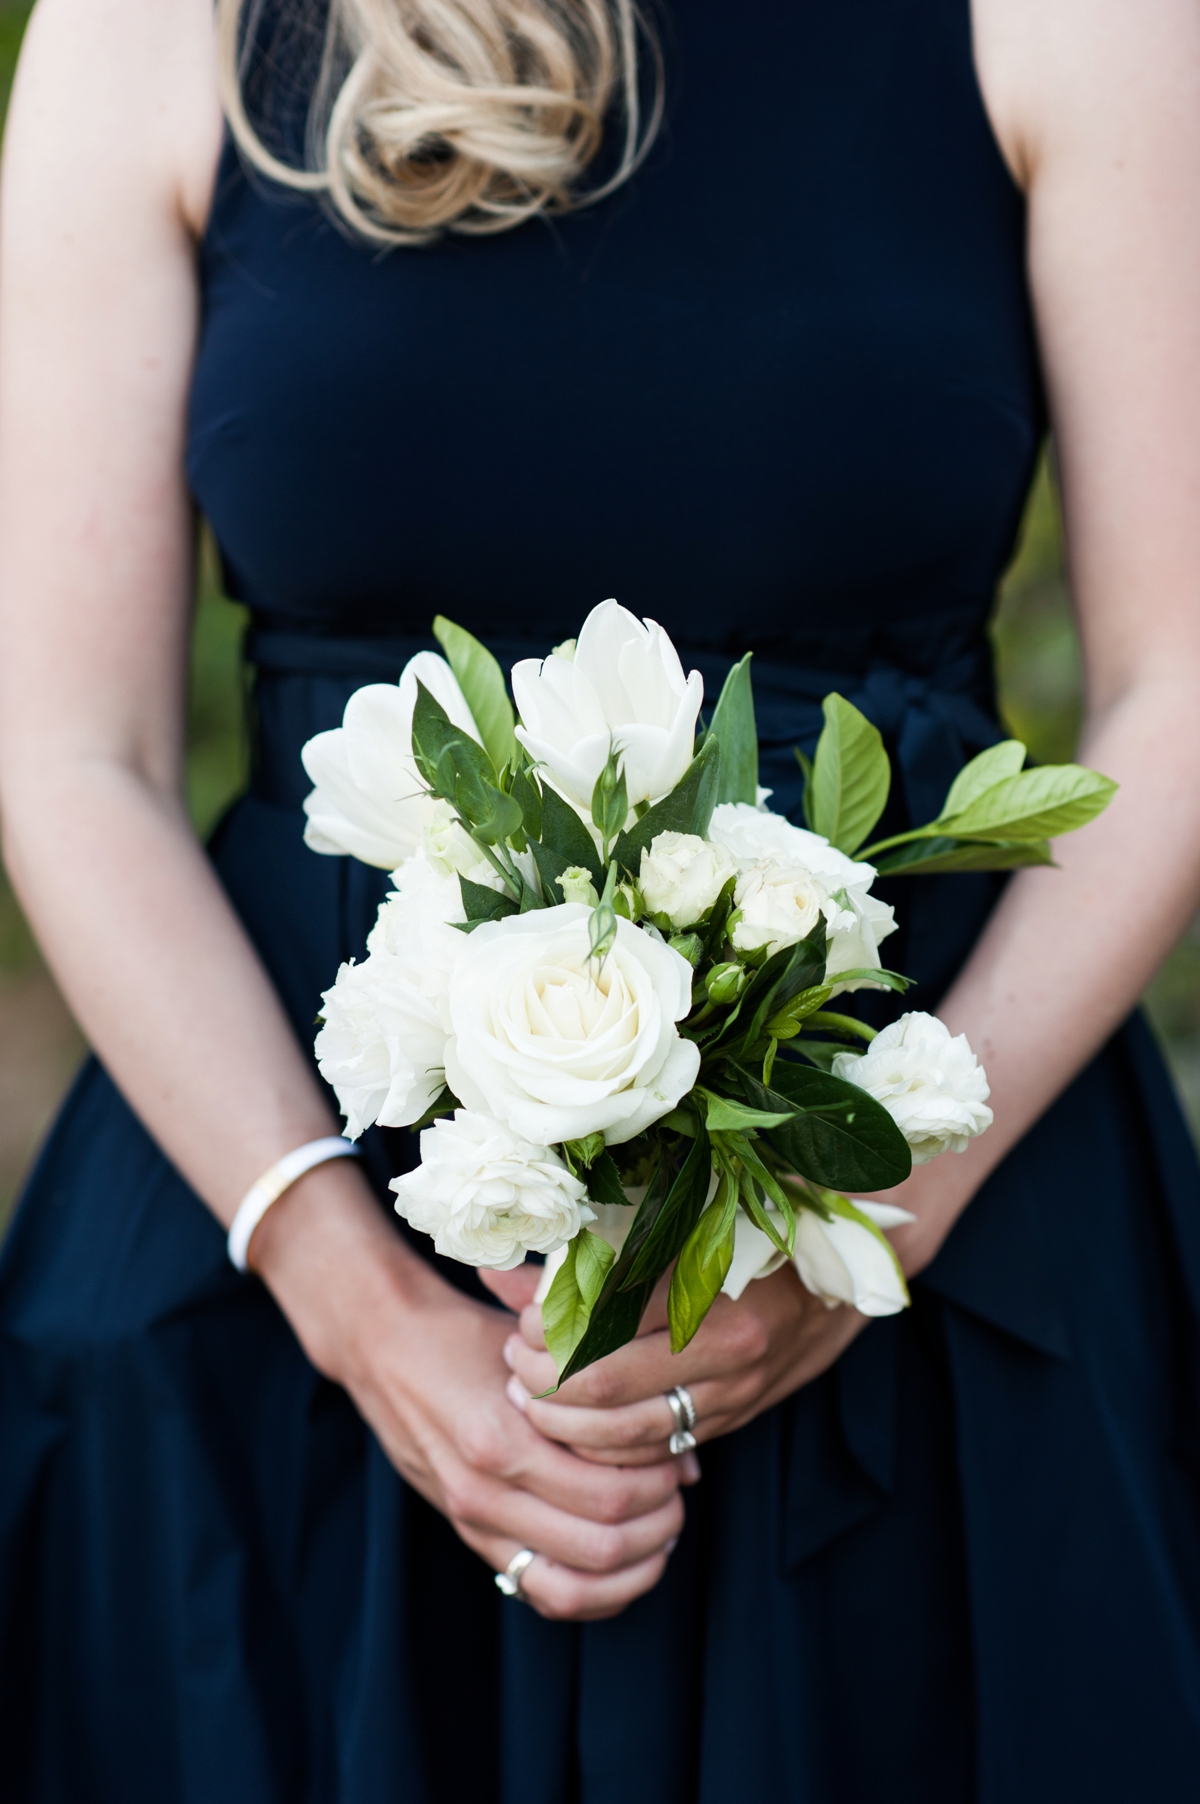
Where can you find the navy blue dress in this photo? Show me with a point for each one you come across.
(780, 392)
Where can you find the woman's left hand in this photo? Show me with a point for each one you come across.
(746, 1356)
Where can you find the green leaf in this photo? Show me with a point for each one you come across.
(1035, 804)
(724, 1116)
(786, 1024)
(580, 1154)
(660, 1241)
(482, 682)
(604, 1181)
(733, 726)
(805, 763)
(433, 732)
(617, 1313)
(851, 776)
(923, 857)
(573, 1293)
(563, 833)
(787, 974)
(849, 1025)
(858, 1148)
(982, 773)
(702, 1266)
(688, 808)
(528, 797)
(884, 980)
(480, 903)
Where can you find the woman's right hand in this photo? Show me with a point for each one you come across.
(425, 1367)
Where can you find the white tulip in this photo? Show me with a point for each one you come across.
(558, 1046)
(623, 687)
(931, 1084)
(488, 1197)
(682, 875)
(855, 921)
(839, 1261)
(369, 800)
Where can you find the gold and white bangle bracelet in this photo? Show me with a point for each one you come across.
(272, 1184)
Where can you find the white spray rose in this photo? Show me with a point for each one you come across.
(369, 800)
(839, 1260)
(624, 686)
(855, 921)
(383, 1043)
(682, 875)
(779, 905)
(930, 1083)
(488, 1197)
(558, 1046)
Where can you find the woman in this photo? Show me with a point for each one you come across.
(780, 387)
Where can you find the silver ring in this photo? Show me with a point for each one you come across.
(509, 1581)
(679, 1402)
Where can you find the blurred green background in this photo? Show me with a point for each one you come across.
(1039, 666)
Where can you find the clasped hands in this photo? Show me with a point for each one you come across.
(747, 1356)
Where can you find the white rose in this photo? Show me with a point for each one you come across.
(838, 1260)
(369, 799)
(931, 1084)
(383, 1043)
(624, 687)
(682, 875)
(779, 905)
(381, 1046)
(559, 1047)
(856, 922)
(487, 1196)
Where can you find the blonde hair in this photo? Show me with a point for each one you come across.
(427, 115)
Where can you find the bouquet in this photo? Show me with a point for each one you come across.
(610, 987)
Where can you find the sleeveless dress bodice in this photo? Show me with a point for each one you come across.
(780, 393)
(781, 384)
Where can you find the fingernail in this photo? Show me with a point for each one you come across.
(672, 1544)
(517, 1394)
(689, 1467)
(509, 1358)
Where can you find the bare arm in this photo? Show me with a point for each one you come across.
(112, 144)
(1097, 106)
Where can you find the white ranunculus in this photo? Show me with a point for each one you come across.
(369, 800)
(624, 687)
(856, 922)
(488, 1197)
(682, 875)
(839, 1260)
(930, 1083)
(383, 1043)
(559, 1046)
(779, 905)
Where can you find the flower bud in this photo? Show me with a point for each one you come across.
(725, 983)
(577, 886)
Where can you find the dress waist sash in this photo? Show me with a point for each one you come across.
(930, 693)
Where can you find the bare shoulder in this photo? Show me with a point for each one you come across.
(114, 94)
(1090, 77)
